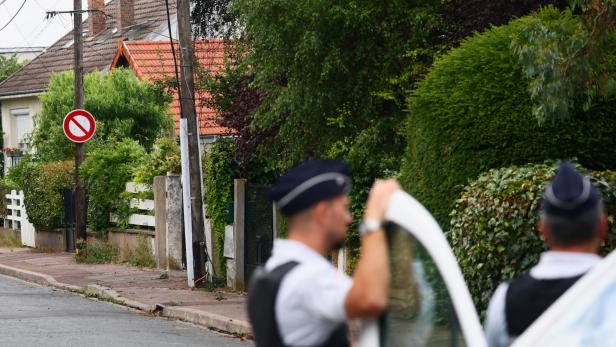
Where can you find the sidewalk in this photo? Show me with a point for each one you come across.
(142, 289)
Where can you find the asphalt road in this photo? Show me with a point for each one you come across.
(31, 315)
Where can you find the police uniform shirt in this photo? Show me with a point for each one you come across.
(552, 265)
(310, 301)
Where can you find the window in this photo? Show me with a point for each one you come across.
(429, 304)
(23, 124)
(420, 311)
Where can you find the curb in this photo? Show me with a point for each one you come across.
(210, 320)
(109, 294)
(38, 278)
(206, 319)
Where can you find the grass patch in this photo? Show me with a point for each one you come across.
(89, 293)
(10, 241)
(142, 256)
(217, 282)
(100, 252)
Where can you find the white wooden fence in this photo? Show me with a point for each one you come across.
(144, 218)
(17, 219)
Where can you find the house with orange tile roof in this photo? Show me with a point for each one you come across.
(118, 20)
(153, 61)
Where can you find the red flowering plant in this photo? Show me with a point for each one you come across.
(12, 151)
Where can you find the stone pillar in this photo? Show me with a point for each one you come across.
(239, 196)
(160, 218)
(173, 208)
(229, 253)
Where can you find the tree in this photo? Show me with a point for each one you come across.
(473, 112)
(123, 106)
(466, 17)
(213, 18)
(570, 64)
(8, 66)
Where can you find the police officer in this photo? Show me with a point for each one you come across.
(299, 298)
(573, 224)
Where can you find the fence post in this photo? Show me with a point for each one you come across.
(160, 217)
(239, 197)
(173, 227)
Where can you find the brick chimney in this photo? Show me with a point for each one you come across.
(125, 14)
(96, 20)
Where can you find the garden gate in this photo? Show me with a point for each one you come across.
(258, 228)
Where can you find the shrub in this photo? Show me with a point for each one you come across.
(123, 106)
(105, 173)
(42, 184)
(100, 252)
(163, 159)
(16, 175)
(4, 189)
(221, 168)
(494, 224)
(473, 112)
(142, 255)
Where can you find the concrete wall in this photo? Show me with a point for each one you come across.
(9, 233)
(128, 241)
(50, 240)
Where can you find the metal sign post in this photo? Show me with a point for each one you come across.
(79, 126)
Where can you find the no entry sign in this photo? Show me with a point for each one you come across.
(79, 125)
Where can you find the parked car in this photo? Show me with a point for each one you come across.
(430, 304)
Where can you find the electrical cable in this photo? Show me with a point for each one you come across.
(15, 15)
(29, 44)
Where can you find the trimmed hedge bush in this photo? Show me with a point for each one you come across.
(41, 185)
(473, 112)
(494, 230)
(105, 172)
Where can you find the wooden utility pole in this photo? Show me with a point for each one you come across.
(80, 197)
(187, 106)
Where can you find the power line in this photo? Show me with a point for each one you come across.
(29, 44)
(15, 15)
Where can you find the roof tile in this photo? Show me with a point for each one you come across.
(153, 60)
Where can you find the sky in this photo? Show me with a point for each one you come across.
(30, 28)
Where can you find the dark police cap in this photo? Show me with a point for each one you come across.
(570, 194)
(309, 183)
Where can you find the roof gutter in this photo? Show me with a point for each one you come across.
(21, 94)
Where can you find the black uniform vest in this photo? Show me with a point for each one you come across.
(262, 293)
(527, 298)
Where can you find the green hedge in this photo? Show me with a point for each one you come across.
(162, 160)
(220, 170)
(473, 112)
(494, 225)
(105, 172)
(41, 185)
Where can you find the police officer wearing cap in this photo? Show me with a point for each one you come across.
(573, 224)
(299, 298)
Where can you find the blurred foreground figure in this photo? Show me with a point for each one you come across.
(573, 224)
(299, 298)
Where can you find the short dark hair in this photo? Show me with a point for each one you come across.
(568, 231)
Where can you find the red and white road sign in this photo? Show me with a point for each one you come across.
(79, 125)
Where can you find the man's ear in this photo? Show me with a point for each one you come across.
(603, 226)
(319, 210)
